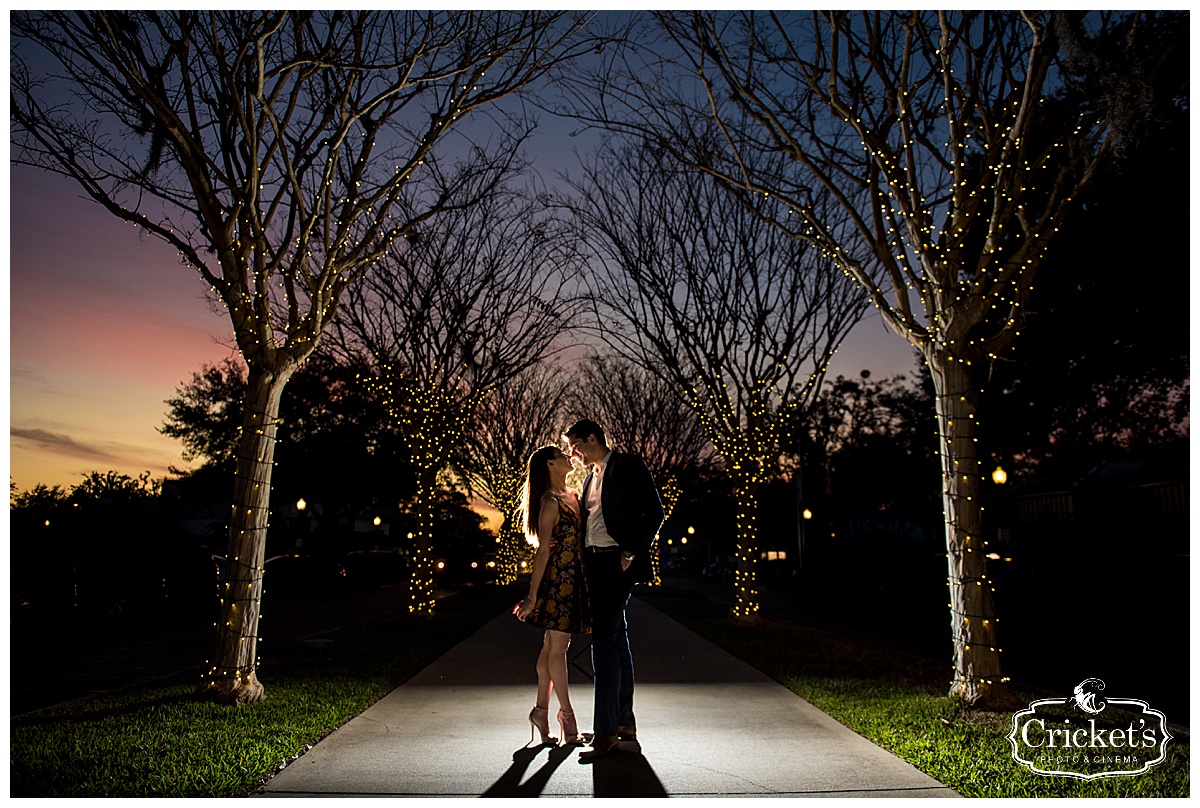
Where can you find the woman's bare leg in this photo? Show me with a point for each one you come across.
(555, 649)
(543, 673)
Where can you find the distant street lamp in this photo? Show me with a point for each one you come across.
(999, 476)
(301, 504)
(378, 521)
(807, 514)
(691, 530)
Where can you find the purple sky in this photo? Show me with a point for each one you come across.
(104, 325)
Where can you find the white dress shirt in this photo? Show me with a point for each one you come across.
(597, 533)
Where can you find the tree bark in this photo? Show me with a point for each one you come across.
(977, 678)
(745, 494)
(232, 679)
(424, 504)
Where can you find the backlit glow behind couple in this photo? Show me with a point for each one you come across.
(592, 547)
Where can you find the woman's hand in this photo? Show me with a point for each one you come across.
(522, 609)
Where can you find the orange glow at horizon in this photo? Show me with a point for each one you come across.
(105, 324)
(103, 328)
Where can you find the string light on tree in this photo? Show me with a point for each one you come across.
(430, 420)
(670, 492)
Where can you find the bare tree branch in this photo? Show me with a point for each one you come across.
(695, 286)
(479, 296)
(520, 415)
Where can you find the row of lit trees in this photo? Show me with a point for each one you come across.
(341, 447)
(294, 160)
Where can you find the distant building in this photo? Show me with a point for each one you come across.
(1141, 500)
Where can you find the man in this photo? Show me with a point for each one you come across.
(622, 513)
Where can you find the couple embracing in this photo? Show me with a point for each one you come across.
(591, 549)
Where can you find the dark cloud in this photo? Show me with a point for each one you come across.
(61, 444)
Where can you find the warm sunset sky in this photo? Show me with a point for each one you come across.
(104, 325)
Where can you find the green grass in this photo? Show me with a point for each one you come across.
(164, 741)
(899, 702)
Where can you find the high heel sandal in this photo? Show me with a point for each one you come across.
(572, 738)
(543, 726)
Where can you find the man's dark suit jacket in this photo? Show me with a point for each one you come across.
(633, 511)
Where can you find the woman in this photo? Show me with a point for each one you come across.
(557, 601)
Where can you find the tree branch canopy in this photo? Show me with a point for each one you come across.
(930, 130)
(697, 287)
(273, 151)
(694, 284)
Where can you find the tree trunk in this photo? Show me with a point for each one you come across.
(745, 494)
(511, 536)
(232, 679)
(977, 678)
(424, 504)
(508, 557)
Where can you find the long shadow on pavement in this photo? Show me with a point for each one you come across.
(510, 785)
(626, 773)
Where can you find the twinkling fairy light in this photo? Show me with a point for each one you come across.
(670, 492)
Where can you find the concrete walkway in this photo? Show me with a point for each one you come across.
(708, 725)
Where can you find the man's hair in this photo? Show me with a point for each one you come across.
(582, 428)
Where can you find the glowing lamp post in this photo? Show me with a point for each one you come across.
(999, 476)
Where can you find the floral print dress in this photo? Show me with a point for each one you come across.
(562, 597)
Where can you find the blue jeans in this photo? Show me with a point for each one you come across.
(609, 588)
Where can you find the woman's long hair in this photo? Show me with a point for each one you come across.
(537, 483)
